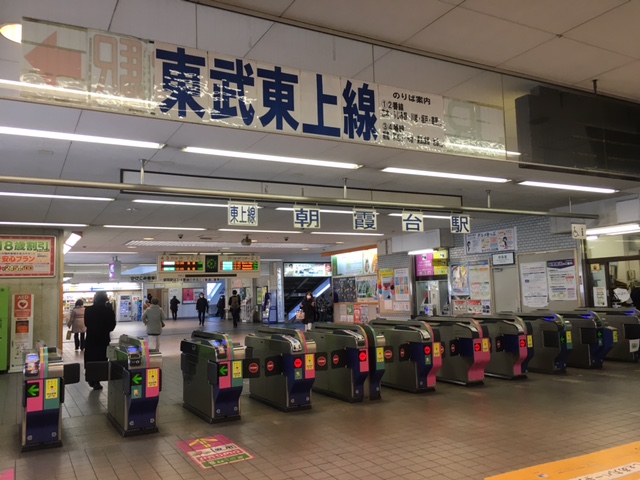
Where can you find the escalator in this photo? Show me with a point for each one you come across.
(295, 289)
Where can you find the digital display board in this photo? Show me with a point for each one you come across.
(240, 266)
(169, 266)
(191, 265)
(307, 269)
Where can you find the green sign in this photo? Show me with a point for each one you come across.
(136, 379)
(599, 333)
(223, 370)
(34, 390)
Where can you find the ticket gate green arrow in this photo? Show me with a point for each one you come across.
(223, 370)
(33, 390)
(599, 333)
(136, 379)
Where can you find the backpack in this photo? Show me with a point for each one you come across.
(235, 303)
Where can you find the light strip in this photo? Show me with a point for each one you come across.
(625, 232)
(75, 137)
(613, 229)
(443, 217)
(55, 197)
(191, 204)
(270, 158)
(144, 227)
(82, 93)
(481, 149)
(349, 233)
(456, 176)
(44, 224)
(420, 252)
(102, 253)
(256, 231)
(561, 186)
(290, 209)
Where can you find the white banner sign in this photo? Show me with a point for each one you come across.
(365, 219)
(306, 217)
(242, 214)
(412, 222)
(460, 224)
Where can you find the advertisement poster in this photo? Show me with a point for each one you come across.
(401, 276)
(350, 313)
(370, 261)
(480, 280)
(21, 330)
(347, 264)
(491, 242)
(459, 280)
(27, 256)
(345, 288)
(307, 269)
(533, 282)
(562, 280)
(386, 285)
(424, 265)
(401, 306)
(486, 307)
(459, 307)
(188, 295)
(367, 288)
(474, 307)
(174, 291)
(599, 296)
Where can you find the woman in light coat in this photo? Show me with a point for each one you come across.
(154, 317)
(76, 324)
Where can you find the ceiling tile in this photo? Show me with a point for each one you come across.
(565, 61)
(272, 7)
(622, 81)
(548, 15)
(91, 14)
(456, 34)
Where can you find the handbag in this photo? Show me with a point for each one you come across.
(69, 332)
(299, 315)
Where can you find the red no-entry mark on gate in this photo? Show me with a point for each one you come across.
(322, 361)
(253, 367)
(336, 359)
(270, 366)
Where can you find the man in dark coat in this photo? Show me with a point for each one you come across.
(99, 321)
(202, 305)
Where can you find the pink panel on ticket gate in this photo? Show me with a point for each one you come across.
(481, 357)
(224, 381)
(153, 382)
(35, 396)
(523, 352)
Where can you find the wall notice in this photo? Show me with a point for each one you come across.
(533, 282)
(561, 277)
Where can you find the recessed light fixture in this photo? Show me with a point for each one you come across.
(614, 229)
(256, 231)
(270, 158)
(55, 197)
(481, 149)
(144, 227)
(74, 137)
(148, 238)
(363, 234)
(190, 204)
(561, 186)
(452, 176)
(71, 241)
(441, 217)
(45, 224)
(12, 31)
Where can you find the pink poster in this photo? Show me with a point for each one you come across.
(424, 265)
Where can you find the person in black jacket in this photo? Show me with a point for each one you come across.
(202, 305)
(309, 309)
(173, 306)
(99, 321)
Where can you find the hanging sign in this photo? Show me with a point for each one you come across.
(460, 223)
(412, 222)
(365, 219)
(304, 217)
(242, 214)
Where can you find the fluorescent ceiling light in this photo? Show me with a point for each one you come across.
(456, 176)
(290, 209)
(191, 204)
(270, 158)
(447, 217)
(480, 149)
(65, 248)
(256, 231)
(71, 241)
(140, 227)
(12, 31)
(420, 252)
(271, 260)
(614, 229)
(562, 186)
(44, 224)
(55, 197)
(349, 233)
(592, 238)
(625, 232)
(74, 137)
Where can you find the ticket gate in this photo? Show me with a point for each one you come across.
(287, 359)
(511, 346)
(413, 348)
(44, 377)
(212, 375)
(349, 360)
(552, 340)
(627, 321)
(592, 339)
(135, 381)
(466, 349)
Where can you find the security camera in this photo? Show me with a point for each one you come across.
(180, 235)
(286, 239)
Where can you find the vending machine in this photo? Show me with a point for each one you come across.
(125, 308)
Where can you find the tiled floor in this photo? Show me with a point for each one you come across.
(453, 433)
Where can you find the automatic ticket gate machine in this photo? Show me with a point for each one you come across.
(349, 360)
(414, 352)
(213, 368)
(287, 359)
(627, 321)
(593, 339)
(511, 345)
(44, 378)
(552, 339)
(466, 349)
(135, 381)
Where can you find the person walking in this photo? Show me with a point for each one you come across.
(309, 309)
(220, 306)
(99, 322)
(173, 306)
(234, 305)
(76, 324)
(202, 305)
(154, 318)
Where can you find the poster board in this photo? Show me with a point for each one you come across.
(559, 271)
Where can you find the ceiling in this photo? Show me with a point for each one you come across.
(570, 42)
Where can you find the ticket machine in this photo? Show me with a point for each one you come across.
(413, 348)
(511, 345)
(593, 339)
(552, 339)
(287, 360)
(135, 381)
(466, 349)
(212, 375)
(627, 321)
(343, 363)
(44, 377)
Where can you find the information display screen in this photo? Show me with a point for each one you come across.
(170, 266)
(229, 266)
